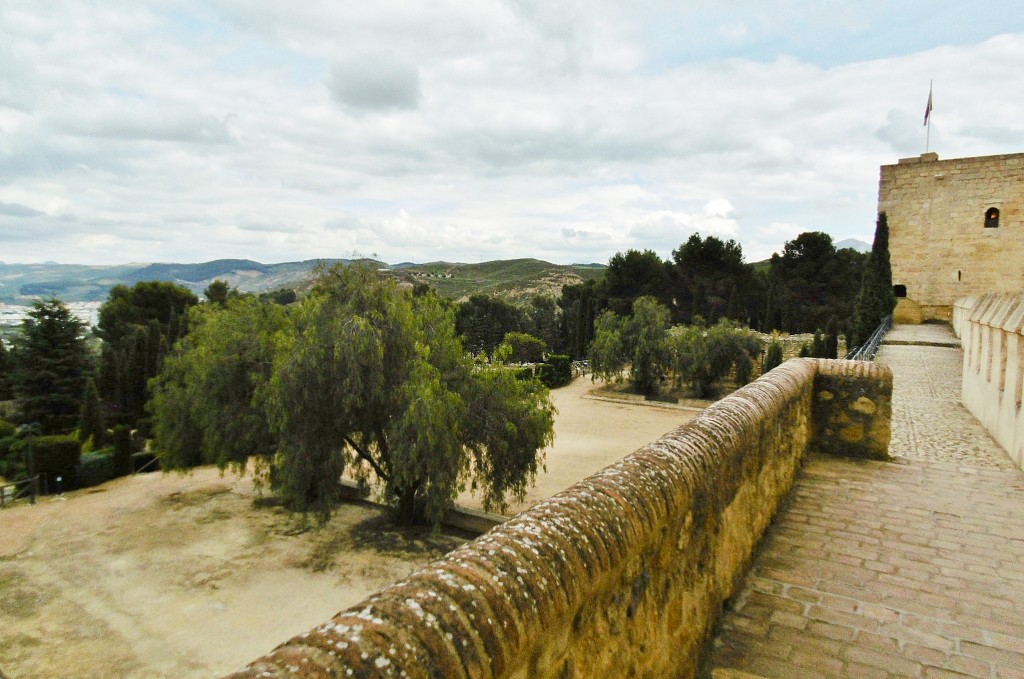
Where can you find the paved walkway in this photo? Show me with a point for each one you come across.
(910, 568)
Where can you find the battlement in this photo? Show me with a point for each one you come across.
(624, 573)
(991, 330)
(956, 227)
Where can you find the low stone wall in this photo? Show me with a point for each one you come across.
(624, 573)
(991, 330)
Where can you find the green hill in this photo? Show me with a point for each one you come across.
(510, 279)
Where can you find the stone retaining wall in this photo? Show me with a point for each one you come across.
(991, 330)
(624, 573)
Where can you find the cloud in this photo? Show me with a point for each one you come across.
(375, 82)
(446, 130)
(16, 210)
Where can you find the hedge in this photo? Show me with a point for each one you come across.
(95, 468)
(556, 371)
(54, 455)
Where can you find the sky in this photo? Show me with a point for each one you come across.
(472, 130)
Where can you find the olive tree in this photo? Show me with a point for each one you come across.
(636, 341)
(703, 355)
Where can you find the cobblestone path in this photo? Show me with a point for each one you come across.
(910, 568)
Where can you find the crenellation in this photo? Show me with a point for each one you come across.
(991, 328)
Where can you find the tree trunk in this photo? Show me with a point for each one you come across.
(408, 510)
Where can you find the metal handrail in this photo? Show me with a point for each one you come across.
(31, 490)
(866, 351)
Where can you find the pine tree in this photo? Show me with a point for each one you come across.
(52, 366)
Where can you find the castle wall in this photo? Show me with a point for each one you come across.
(624, 573)
(939, 246)
(991, 330)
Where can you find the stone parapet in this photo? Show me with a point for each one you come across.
(622, 574)
(991, 329)
(853, 409)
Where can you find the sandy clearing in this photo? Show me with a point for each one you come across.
(186, 576)
(591, 434)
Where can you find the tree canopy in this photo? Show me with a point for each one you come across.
(710, 280)
(810, 282)
(52, 365)
(138, 325)
(483, 321)
(206, 398)
(365, 377)
(635, 274)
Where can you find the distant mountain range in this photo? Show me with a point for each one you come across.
(510, 279)
(21, 283)
(853, 244)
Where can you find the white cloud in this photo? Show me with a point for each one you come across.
(248, 128)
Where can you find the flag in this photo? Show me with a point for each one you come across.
(928, 108)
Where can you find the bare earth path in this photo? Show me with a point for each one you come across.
(910, 568)
(182, 576)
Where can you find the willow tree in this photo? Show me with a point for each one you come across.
(207, 400)
(375, 380)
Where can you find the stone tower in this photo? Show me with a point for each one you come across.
(956, 228)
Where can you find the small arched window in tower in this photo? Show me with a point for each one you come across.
(992, 218)
(899, 290)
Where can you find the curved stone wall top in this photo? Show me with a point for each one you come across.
(624, 572)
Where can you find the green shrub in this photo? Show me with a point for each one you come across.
(773, 357)
(6, 429)
(524, 348)
(523, 373)
(7, 444)
(55, 455)
(95, 468)
(556, 371)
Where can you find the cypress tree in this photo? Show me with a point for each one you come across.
(831, 338)
(876, 299)
(773, 357)
(90, 420)
(6, 372)
(818, 349)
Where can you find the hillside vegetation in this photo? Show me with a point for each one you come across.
(513, 279)
(510, 279)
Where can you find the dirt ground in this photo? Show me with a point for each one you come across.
(162, 575)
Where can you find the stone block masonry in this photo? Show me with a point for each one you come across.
(991, 329)
(945, 241)
(624, 573)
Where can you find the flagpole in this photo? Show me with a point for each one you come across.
(928, 119)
